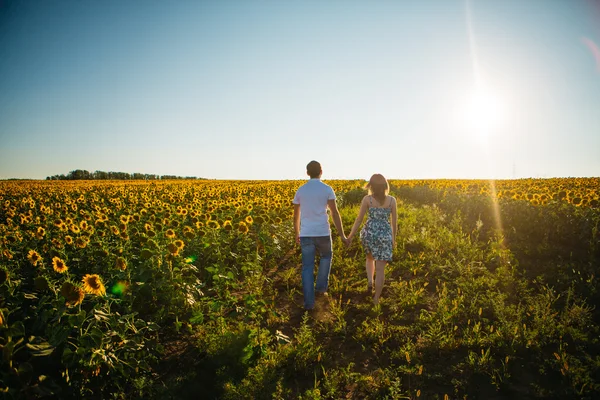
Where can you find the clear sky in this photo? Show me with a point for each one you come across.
(257, 89)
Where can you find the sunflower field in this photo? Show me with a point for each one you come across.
(192, 289)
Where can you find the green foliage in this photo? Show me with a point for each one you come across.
(484, 299)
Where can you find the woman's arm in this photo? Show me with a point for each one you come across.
(394, 220)
(364, 206)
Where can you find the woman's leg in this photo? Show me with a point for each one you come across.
(370, 268)
(379, 279)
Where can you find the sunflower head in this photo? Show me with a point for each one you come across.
(34, 257)
(3, 276)
(146, 254)
(7, 254)
(59, 265)
(121, 263)
(170, 233)
(72, 294)
(40, 233)
(81, 242)
(41, 284)
(243, 228)
(180, 244)
(93, 284)
(173, 249)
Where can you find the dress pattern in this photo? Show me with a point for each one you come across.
(376, 234)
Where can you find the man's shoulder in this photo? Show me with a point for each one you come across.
(326, 186)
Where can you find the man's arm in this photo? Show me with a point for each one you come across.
(337, 220)
(297, 222)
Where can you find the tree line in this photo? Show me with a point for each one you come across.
(82, 174)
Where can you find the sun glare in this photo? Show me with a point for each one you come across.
(483, 111)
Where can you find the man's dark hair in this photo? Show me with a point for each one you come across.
(313, 169)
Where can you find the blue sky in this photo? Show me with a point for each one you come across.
(256, 89)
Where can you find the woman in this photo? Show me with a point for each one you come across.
(378, 236)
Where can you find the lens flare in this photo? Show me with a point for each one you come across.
(190, 259)
(594, 50)
(119, 288)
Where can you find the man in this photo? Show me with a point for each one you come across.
(311, 224)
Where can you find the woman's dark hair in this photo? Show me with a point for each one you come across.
(378, 187)
(313, 169)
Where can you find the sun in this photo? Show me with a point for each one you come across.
(483, 111)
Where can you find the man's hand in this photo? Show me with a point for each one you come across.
(297, 239)
(348, 241)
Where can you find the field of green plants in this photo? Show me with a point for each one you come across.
(192, 289)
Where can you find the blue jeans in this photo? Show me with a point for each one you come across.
(310, 246)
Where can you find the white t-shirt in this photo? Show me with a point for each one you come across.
(313, 197)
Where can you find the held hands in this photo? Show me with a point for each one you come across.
(347, 241)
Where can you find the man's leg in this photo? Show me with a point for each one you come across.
(307, 246)
(323, 244)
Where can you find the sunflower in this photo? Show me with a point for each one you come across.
(40, 233)
(81, 242)
(41, 284)
(243, 228)
(180, 244)
(1, 319)
(75, 228)
(114, 230)
(213, 224)
(121, 263)
(7, 254)
(93, 284)
(173, 249)
(72, 293)
(3, 276)
(124, 219)
(34, 257)
(56, 243)
(249, 220)
(170, 233)
(59, 265)
(227, 225)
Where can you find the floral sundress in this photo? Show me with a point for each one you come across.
(376, 234)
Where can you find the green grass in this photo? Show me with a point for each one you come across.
(467, 311)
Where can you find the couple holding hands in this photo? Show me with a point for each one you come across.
(313, 234)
